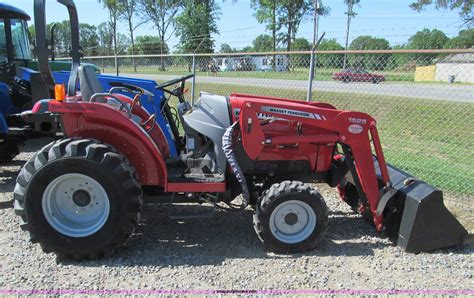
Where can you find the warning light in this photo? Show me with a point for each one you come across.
(59, 92)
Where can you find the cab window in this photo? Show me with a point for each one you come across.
(3, 42)
(21, 49)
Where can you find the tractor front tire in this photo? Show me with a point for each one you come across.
(9, 149)
(78, 198)
(291, 217)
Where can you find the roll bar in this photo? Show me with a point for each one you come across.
(42, 51)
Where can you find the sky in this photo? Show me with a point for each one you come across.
(393, 20)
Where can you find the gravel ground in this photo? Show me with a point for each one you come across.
(223, 252)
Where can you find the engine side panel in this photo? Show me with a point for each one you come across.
(210, 117)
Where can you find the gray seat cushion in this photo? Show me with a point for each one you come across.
(90, 85)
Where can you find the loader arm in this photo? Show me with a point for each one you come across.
(355, 131)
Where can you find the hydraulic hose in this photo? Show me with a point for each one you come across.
(227, 146)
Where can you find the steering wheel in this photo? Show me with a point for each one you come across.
(8, 75)
(172, 82)
(123, 87)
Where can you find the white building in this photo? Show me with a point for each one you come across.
(459, 67)
(225, 63)
(264, 63)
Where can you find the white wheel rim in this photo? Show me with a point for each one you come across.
(292, 221)
(75, 205)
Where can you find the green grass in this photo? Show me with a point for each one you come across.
(322, 74)
(433, 140)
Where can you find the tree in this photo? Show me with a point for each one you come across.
(148, 45)
(290, 14)
(62, 38)
(426, 39)
(303, 60)
(464, 40)
(226, 48)
(247, 49)
(465, 5)
(371, 61)
(369, 43)
(31, 29)
(350, 14)
(162, 13)
(301, 44)
(266, 12)
(106, 41)
(113, 8)
(89, 39)
(123, 43)
(128, 10)
(263, 43)
(195, 26)
(330, 60)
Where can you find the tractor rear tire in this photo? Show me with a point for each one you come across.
(78, 198)
(9, 149)
(291, 217)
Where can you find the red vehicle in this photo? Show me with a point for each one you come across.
(81, 197)
(358, 75)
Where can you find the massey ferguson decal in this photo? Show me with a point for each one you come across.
(355, 128)
(260, 116)
(292, 113)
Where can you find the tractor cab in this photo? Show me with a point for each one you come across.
(14, 54)
(14, 37)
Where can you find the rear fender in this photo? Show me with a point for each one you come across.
(152, 105)
(104, 123)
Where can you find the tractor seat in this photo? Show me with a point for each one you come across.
(90, 85)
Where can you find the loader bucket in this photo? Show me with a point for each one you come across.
(416, 218)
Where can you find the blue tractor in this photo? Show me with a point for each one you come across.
(24, 81)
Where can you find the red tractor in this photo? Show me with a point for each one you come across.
(81, 197)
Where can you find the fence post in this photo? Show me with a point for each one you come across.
(194, 79)
(311, 63)
(311, 77)
(116, 64)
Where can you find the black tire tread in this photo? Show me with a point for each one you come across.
(273, 193)
(95, 151)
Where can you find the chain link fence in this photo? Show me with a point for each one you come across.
(423, 100)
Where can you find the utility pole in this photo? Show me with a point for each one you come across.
(312, 59)
(350, 14)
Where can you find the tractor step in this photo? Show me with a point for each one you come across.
(197, 178)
